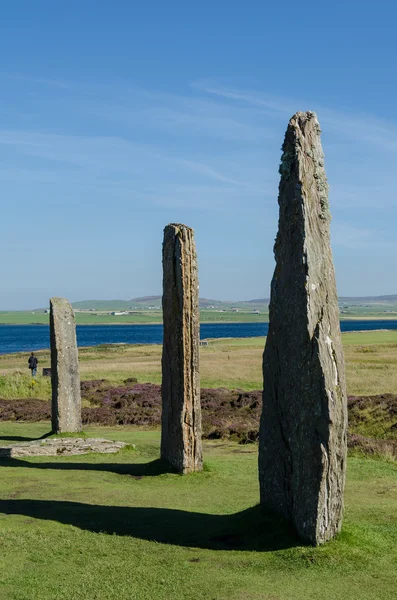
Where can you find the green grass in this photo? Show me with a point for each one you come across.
(21, 385)
(104, 527)
(116, 527)
(155, 316)
(139, 317)
(40, 318)
(365, 338)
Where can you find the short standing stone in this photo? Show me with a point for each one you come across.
(181, 410)
(302, 442)
(65, 377)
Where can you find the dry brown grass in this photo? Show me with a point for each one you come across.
(371, 372)
(371, 363)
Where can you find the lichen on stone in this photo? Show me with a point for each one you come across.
(302, 441)
(285, 168)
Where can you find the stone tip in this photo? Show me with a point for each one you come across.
(304, 115)
(177, 227)
(301, 119)
(59, 300)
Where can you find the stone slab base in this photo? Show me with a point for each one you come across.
(61, 447)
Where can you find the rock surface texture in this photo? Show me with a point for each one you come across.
(65, 377)
(303, 430)
(61, 447)
(181, 412)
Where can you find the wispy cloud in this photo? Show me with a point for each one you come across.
(104, 157)
(213, 136)
(115, 154)
(363, 127)
(54, 83)
(257, 99)
(356, 238)
(350, 236)
(206, 170)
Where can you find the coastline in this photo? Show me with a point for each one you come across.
(255, 340)
(203, 322)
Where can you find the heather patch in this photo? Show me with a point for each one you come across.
(226, 414)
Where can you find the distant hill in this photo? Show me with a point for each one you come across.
(145, 299)
(259, 301)
(388, 299)
(103, 304)
(144, 302)
(138, 303)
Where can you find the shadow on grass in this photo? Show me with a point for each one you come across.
(251, 529)
(18, 438)
(137, 470)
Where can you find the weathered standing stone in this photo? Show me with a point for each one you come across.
(181, 409)
(65, 377)
(302, 442)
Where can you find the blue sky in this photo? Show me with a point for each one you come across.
(117, 118)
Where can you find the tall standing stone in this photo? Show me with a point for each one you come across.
(65, 376)
(181, 409)
(302, 442)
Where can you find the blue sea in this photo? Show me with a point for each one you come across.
(23, 338)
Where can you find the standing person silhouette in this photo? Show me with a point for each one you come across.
(33, 362)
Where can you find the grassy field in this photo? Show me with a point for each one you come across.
(139, 317)
(116, 527)
(82, 318)
(371, 365)
(155, 316)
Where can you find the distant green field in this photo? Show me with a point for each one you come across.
(144, 316)
(86, 318)
(155, 316)
(22, 318)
